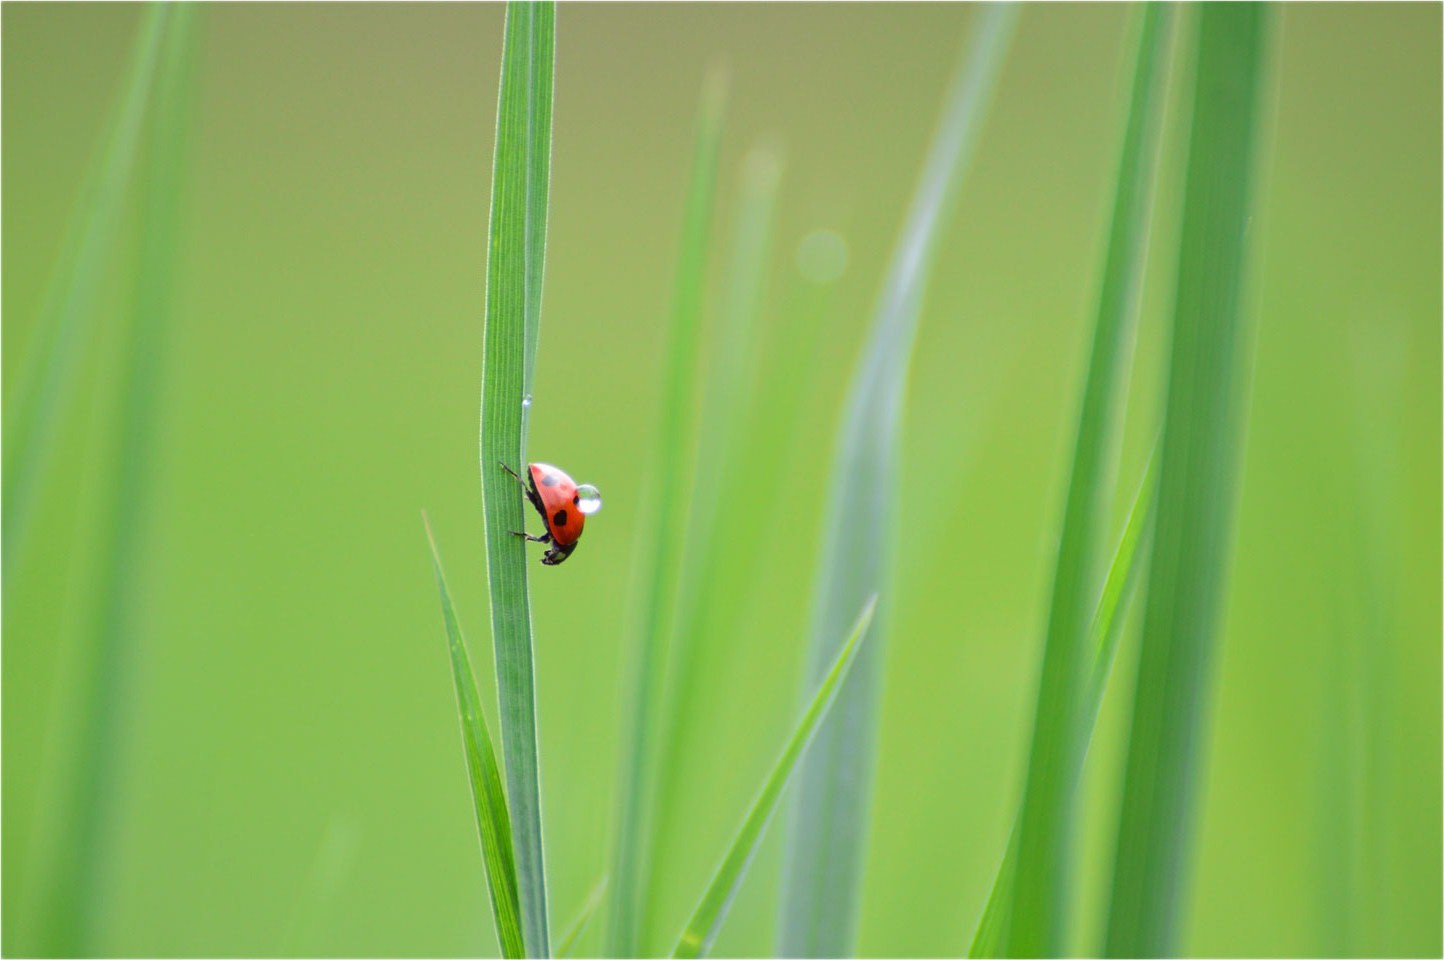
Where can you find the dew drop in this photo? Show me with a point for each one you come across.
(589, 499)
(526, 401)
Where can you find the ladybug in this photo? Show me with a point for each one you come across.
(563, 506)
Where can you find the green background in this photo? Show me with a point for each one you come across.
(291, 778)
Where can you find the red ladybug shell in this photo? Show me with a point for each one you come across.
(558, 495)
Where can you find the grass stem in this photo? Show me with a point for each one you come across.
(1062, 722)
(521, 177)
(1198, 478)
(829, 825)
(661, 566)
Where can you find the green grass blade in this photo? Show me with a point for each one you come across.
(993, 924)
(697, 937)
(1103, 633)
(493, 822)
(1198, 476)
(123, 524)
(730, 386)
(828, 831)
(521, 174)
(568, 942)
(35, 407)
(661, 566)
(1037, 918)
(1105, 626)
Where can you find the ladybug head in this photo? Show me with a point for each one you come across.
(557, 552)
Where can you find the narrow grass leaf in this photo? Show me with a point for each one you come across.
(697, 937)
(700, 605)
(521, 174)
(34, 409)
(829, 826)
(1198, 477)
(1037, 920)
(123, 524)
(493, 822)
(568, 941)
(1106, 624)
(1103, 633)
(660, 568)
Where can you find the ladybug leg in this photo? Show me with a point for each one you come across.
(526, 489)
(544, 538)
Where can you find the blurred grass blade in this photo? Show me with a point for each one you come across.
(493, 822)
(521, 173)
(106, 666)
(33, 409)
(1106, 624)
(699, 604)
(1103, 633)
(661, 565)
(993, 924)
(697, 937)
(1198, 476)
(568, 942)
(829, 826)
(1037, 918)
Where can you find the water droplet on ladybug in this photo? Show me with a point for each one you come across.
(589, 499)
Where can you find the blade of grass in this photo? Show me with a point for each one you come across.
(1117, 587)
(521, 174)
(123, 522)
(1037, 917)
(729, 388)
(1198, 475)
(660, 567)
(67, 312)
(777, 421)
(1103, 633)
(579, 926)
(493, 822)
(697, 937)
(828, 828)
(34, 411)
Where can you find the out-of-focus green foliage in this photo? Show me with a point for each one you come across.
(701, 930)
(1043, 838)
(321, 374)
(661, 556)
(829, 827)
(1104, 631)
(1212, 345)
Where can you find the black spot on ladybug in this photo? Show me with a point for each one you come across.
(560, 518)
(550, 480)
(576, 498)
